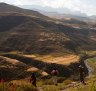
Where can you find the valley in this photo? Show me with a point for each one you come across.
(32, 42)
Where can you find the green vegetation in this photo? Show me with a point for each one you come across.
(89, 53)
(89, 87)
(92, 63)
(65, 85)
(51, 88)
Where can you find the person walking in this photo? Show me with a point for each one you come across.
(33, 80)
(54, 74)
(82, 74)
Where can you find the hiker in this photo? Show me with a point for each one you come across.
(82, 74)
(33, 79)
(54, 74)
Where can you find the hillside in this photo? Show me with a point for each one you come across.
(48, 39)
(6, 8)
(36, 34)
(32, 42)
(18, 71)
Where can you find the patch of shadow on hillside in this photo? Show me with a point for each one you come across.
(79, 38)
(64, 70)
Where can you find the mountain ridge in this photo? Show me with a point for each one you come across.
(14, 9)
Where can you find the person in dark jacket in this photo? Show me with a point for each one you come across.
(82, 74)
(33, 79)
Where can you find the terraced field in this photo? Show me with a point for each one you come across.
(64, 60)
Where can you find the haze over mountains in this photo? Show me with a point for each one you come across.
(50, 9)
(30, 31)
(59, 12)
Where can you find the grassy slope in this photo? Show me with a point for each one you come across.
(47, 85)
(30, 31)
(43, 37)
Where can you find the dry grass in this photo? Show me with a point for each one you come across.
(12, 61)
(32, 69)
(66, 60)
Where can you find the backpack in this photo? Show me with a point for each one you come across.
(54, 72)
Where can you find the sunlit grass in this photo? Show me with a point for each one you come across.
(14, 87)
(91, 86)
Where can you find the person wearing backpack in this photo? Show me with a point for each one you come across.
(54, 74)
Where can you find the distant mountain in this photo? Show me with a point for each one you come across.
(93, 17)
(50, 9)
(21, 31)
(59, 13)
(66, 16)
